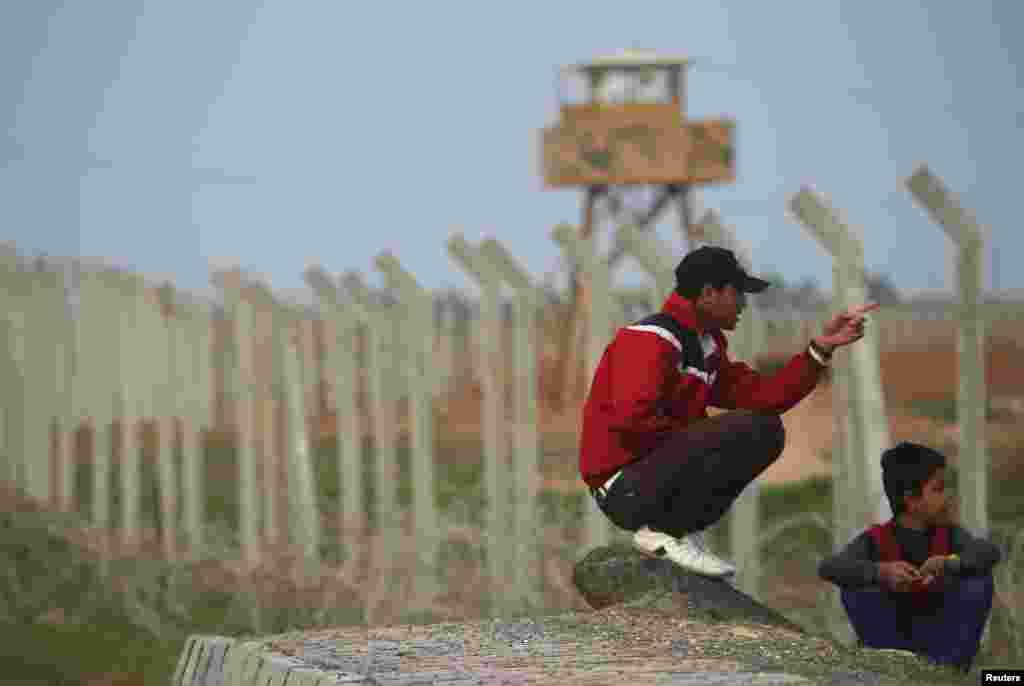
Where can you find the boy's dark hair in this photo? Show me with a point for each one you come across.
(905, 469)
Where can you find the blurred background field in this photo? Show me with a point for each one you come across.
(192, 144)
(61, 618)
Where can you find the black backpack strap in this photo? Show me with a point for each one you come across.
(691, 354)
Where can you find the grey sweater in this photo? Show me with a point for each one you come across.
(856, 565)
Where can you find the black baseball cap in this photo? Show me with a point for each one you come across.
(709, 264)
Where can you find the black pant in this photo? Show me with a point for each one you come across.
(688, 482)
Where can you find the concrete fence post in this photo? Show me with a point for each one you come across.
(496, 520)
(132, 377)
(99, 345)
(23, 432)
(50, 336)
(68, 390)
(654, 256)
(39, 361)
(342, 368)
(380, 361)
(968, 237)
(11, 381)
(418, 331)
(446, 332)
(304, 512)
(303, 522)
(240, 392)
(869, 420)
(194, 410)
(273, 440)
(10, 397)
(526, 472)
(310, 374)
(598, 529)
(165, 411)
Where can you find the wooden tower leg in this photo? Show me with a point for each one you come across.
(573, 334)
(690, 231)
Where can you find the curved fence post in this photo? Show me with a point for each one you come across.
(238, 378)
(418, 331)
(653, 256)
(271, 439)
(496, 519)
(342, 368)
(304, 515)
(165, 395)
(598, 529)
(51, 341)
(131, 382)
(303, 522)
(194, 333)
(13, 369)
(966, 234)
(68, 391)
(381, 360)
(847, 460)
(526, 471)
(870, 423)
(29, 447)
(99, 343)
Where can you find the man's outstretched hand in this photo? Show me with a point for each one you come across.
(845, 328)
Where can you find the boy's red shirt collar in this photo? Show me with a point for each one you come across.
(684, 311)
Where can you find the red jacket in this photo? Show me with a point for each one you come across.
(639, 394)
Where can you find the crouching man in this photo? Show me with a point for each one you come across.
(917, 582)
(654, 460)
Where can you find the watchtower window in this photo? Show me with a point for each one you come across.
(615, 87)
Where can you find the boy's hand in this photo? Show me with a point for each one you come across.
(898, 575)
(934, 566)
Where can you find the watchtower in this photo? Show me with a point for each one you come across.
(637, 142)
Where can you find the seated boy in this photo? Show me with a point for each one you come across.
(918, 582)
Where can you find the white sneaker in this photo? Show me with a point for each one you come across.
(651, 543)
(690, 552)
(699, 542)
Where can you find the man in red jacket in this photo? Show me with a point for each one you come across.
(654, 460)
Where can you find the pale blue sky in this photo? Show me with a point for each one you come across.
(162, 134)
